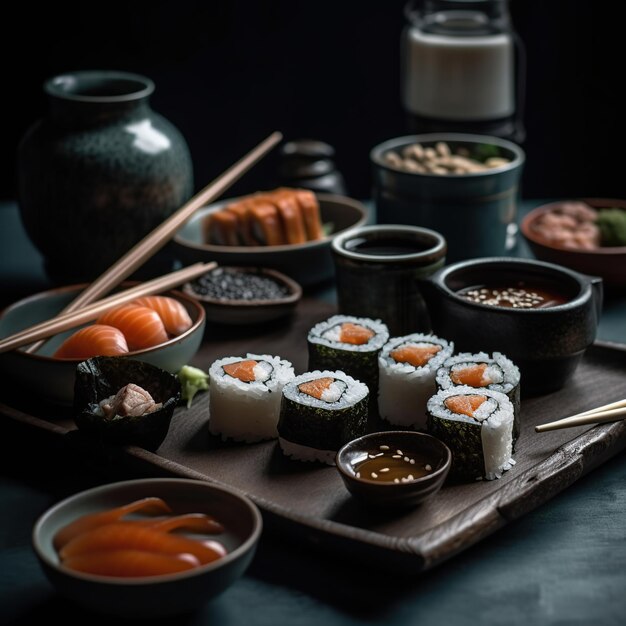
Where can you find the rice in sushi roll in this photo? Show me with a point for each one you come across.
(407, 368)
(477, 426)
(320, 412)
(245, 395)
(349, 344)
(482, 371)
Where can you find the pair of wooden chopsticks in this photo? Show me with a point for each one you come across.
(607, 413)
(79, 311)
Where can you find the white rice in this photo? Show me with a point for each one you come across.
(327, 333)
(403, 389)
(495, 417)
(247, 411)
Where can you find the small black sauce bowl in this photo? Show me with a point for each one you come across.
(389, 493)
(546, 344)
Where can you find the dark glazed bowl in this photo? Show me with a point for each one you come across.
(546, 344)
(101, 377)
(394, 494)
(153, 596)
(473, 211)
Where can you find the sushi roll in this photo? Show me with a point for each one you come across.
(245, 394)
(477, 426)
(407, 367)
(349, 344)
(320, 412)
(482, 371)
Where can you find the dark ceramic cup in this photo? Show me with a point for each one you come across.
(546, 343)
(378, 271)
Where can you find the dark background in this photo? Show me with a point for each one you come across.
(229, 72)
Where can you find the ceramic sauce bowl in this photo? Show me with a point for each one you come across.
(544, 332)
(394, 468)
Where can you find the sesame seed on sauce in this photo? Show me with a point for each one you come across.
(386, 464)
(514, 297)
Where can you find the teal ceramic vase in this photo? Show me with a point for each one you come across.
(99, 172)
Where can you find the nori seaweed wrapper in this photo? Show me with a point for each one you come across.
(359, 361)
(463, 436)
(101, 377)
(359, 364)
(307, 421)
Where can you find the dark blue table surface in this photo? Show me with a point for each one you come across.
(564, 563)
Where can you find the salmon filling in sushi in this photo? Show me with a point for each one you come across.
(320, 412)
(245, 395)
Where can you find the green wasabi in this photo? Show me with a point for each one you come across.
(192, 380)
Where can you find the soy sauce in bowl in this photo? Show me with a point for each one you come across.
(517, 296)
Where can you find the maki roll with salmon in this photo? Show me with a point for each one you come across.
(406, 368)
(482, 371)
(245, 394)
(349, 344)
(477, 426)
(320, 412)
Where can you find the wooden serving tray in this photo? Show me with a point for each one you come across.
(312, 502)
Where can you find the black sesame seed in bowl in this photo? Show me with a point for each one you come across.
(244, 295)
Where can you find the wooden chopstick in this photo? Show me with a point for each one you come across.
(606, 413)
(65, 321)
(155, 240)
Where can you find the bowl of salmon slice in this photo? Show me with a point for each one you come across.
(288, 230)
(165, 331)
(147, 548)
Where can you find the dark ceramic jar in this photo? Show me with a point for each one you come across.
(99, 172)
(547, 344)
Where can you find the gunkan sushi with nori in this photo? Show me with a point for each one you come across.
(245, 396)
(477, 426)
(407, 367)
(320, 412)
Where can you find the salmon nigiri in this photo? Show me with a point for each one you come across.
(129, 536)
(93, 520)
(173, 313)
(141, 326)
(94, 340)
(130, 563)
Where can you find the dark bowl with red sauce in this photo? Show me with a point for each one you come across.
(542, 316)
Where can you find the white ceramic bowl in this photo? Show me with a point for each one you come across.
(307, 263)
(52, 380)
(153, 596)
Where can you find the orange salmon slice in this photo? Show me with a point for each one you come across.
(355, 334)
(315, 388)
(243, 370)
(417, 356)
(472, 375)
(465, 405)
